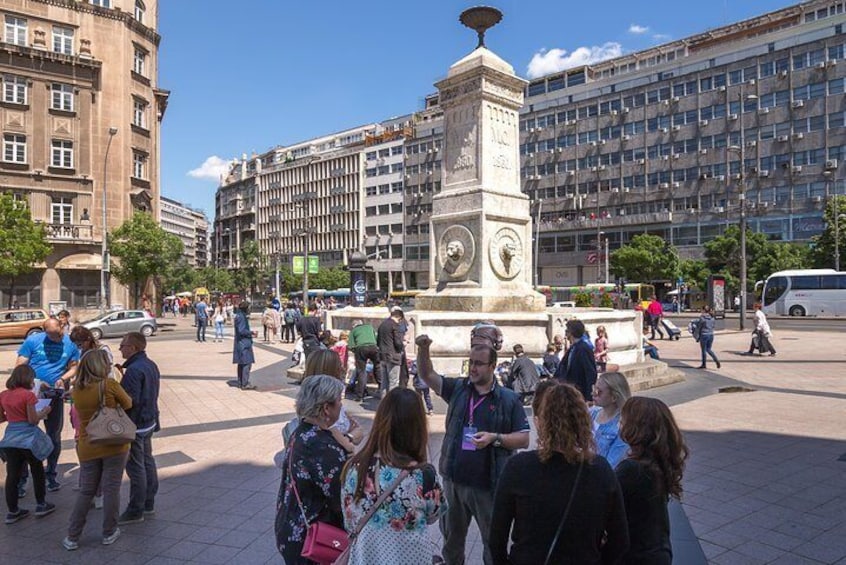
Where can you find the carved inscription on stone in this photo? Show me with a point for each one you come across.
(501, 124)
(456, 251)
(506, 253)
(462, 147)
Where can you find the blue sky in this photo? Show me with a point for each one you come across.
(247, 76)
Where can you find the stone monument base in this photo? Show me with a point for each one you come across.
(472, 300)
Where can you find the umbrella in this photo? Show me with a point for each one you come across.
(186, 293)
(171, 297)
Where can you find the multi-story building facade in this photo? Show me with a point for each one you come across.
(235, 212)
(652, 142)
(190, 226)
(80, 112)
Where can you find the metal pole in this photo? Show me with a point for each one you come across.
(104, 251)
(606, 259)
(836, 210)
(306, 234)
(598, 241)
(537, 243)
(742, 198)
(277, 279)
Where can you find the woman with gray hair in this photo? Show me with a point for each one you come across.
(311, 469)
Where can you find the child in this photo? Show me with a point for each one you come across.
(420, 386)
(24, 442)
(340, 347)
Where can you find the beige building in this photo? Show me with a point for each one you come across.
(190, 226)
(80, 113)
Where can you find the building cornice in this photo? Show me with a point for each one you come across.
(12, 49)
(110, 13)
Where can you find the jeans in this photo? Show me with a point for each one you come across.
(244, 373)
(705, 343)
(53, 425)
(426, 395)
(362, 355)
(201, 329)
(107, 472)
(218, 330)
(290, 333)
(463, 503)
(16, 460)
(142, 473)
(390, 376)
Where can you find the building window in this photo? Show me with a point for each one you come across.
(14, 148)
(139, 165)
(15, 30)
(102, 3)
(139, 113)
(14, 89)
(61, 210)
(139, 11)
(139, 62)
(62, 154)
(62, 97)
(63, 40)
(79, 288)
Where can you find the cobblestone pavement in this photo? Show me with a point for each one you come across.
(764, 484)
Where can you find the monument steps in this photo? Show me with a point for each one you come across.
(650, 374)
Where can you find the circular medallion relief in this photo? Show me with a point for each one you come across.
(456, 251)
(506, 253)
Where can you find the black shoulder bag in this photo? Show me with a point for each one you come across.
(566, 513)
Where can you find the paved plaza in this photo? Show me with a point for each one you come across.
(766, 481)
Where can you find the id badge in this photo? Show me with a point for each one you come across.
(467, 438)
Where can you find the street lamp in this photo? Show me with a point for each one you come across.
(104, 266)
(537, 243)
(742, 199)
(837, 218)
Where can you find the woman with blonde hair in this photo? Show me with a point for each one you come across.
(610, 392)
(561, 503)
(101, 465)
(346, 431)
(649, 477)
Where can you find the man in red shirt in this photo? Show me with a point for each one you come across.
(655, 312)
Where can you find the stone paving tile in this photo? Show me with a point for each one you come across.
(217, 554)
(183, 550)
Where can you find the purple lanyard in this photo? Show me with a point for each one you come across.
(471, 406)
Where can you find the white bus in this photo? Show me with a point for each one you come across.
(805, 292)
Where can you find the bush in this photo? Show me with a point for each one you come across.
(605, 300)
(583, 299)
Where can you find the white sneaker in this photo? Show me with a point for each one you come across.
(109, 540)
(69, 544)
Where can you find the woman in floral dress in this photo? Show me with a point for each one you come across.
(397, 532)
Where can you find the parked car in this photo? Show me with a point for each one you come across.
(21, 323)
(121, 323)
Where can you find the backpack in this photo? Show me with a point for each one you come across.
(289, 317)
(694, 328)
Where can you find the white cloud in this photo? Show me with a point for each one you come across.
(638, 29)
(661, 37)
(212, 169)
(549, 61)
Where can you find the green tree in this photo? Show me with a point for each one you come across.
(23, 243)
(249, 274)
(694, 272)
(779, 256)
(178, 277)
(823, 247)
(214, 279)
(647, 258)
(331, 279)
(722, 256)
(144, 250)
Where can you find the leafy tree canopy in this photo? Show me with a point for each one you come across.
(646, 258)
(823, 252)
(23, 243)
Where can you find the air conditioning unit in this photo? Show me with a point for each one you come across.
(782, 138)
(676, 155)
(429, 151)
(664, 130)
(666, 157)
(751, 82)
(664, 185)
(532, 130)
(626, 137)
(721, 178)
(593, 144)
(703, 151)
(615, 190)
(705, 176)
(763, 110)
(594, 169)
(732, 116)
(676, 184)
(601, 167)
(817, 199)
(764, 204)
(831, 63)
(703, 123)
(407, 177)
(625, 190)
(737, 176)
(752, 143)
(435, 150)
(676, 99)
(571, 122)
(602, 142)
(798, 135)
(821, 65)
(719, 209)
(666, 102)
(559, 149)
(798, 103)
(626, 110)
(797, 169)
(782, 73)
(691, 210)
(722, 89)
(641, 161)
(551, 151)
(614, 112)
(539, 129)
(676, 128)
(571, 173)
(831, 164)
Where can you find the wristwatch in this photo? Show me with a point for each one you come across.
(498, 441)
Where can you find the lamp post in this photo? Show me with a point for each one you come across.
(837, 217)
(104, 266)
(306, 197)
(537, 243)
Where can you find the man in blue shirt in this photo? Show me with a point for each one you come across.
(201, 311)
(54, 358)
(485, 424)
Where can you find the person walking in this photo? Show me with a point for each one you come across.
(291, 316)
(649, 477)
(99, 465)
(24, 443)
(485, 425)
(610, 392)
(310, 489)
(362, 342)
(705, 326)
(561, 503)
(141, 379)
(600, 349)
(391, 344)
(523, 377)
(54, 358)
(219, 321)
(393, 460)
(201, 317)
(762, 334)
(578, 367)
(242, 347)
(655, 312)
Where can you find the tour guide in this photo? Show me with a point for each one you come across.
(485, 423)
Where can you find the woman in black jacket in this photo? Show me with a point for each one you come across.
(536, 488)
(649, 477)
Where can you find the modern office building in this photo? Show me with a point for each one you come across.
(80, 113)
(235, 212)
(652, 142)
(190, 226)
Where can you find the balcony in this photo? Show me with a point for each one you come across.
(70, 232)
